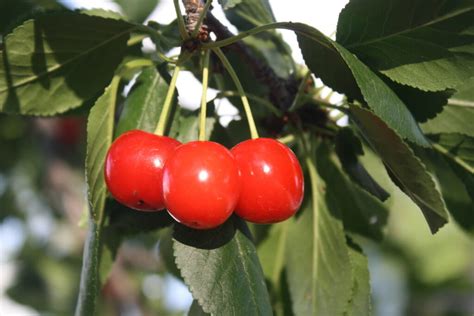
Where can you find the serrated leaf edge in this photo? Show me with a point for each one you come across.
(431, 180)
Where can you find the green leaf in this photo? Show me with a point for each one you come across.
(317, 260)
(100, 127)
(361, 212)
(167, 37)
(343, 72)
(454, 119)
(222, 270)
(188, 125)
(458, 192)
(272, 255)
(226, 4)
(144, 103)
(348, 148)
(271, 61)
(268, 46)
(271, 252)
(137, 10)
(196, 310)
(427, 44)
(246, 14)
(406, 169)
(458, 116)
(99, 137)
(59, 61)
(122, 223)
(360, 301)
(465, 94)
(272, 50)
(166, 251)
(108, 14)
(14, 12)
(423, 105)
(458, 148)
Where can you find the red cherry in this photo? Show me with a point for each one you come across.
(134, 169)
(272, 179)
(201, 184)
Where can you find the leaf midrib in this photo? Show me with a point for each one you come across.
(378, 39)
(247, 274)
(66, 63)
(280, 253)
(149, 94)
(315, 205)
(99, 198)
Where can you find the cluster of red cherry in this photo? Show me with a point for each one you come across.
(201, 183)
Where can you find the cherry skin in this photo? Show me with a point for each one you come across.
(272, 179)
(134, 169)
(201, 184)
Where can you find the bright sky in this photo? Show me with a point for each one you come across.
(319, 14)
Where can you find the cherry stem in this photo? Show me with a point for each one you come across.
(288, 139)
(181, 25)
(240, 89)
(201, 18)
(160, 128)
(205, 84)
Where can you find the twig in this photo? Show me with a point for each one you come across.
(195, 10)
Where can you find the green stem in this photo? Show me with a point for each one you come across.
(456, 159)
(463, 103)
(165, 58)
(134, 40)
(201, 18)
(240, 89)
(326, 104)
(296, 27)
(328, 97)
(339, 116)
(160, 128)
(181, 25)
(135, 63)
(205, 83)
(288, 139)
(262, 101)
